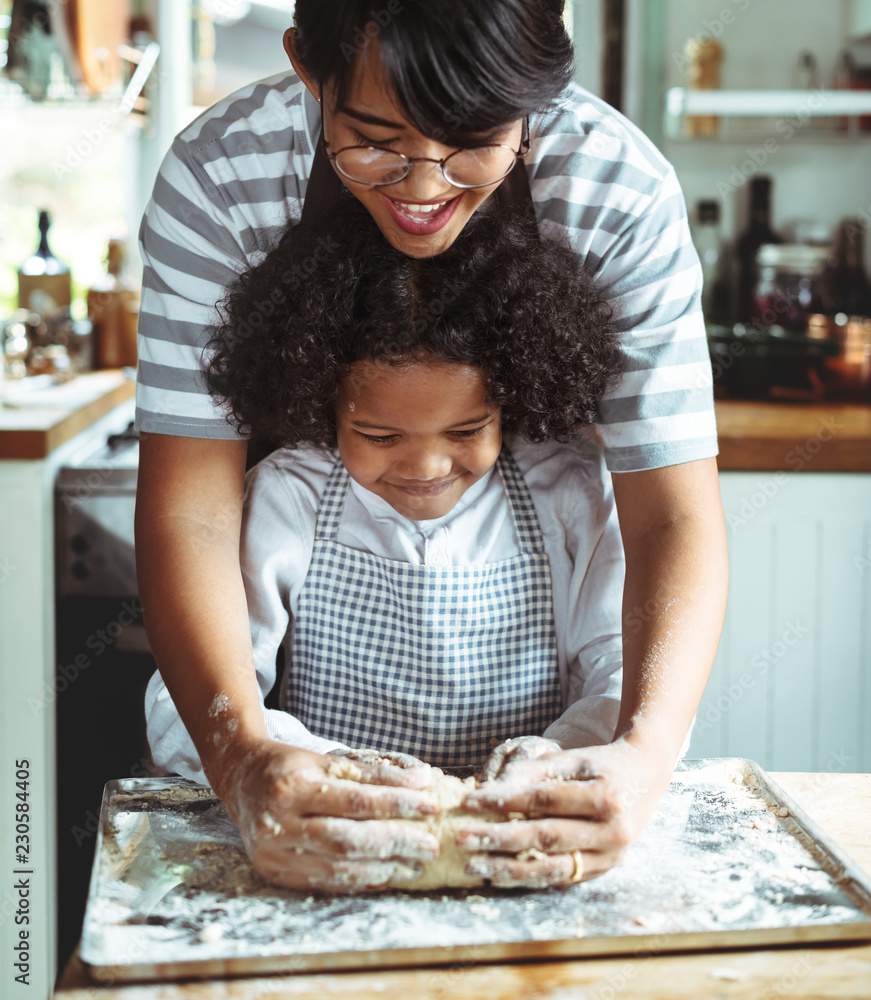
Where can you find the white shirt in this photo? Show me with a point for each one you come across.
(571, 490)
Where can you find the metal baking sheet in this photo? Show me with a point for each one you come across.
(729, 860)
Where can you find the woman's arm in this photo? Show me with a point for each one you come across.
(188, 517)
(275, 552)
(674, 599)
(674, 602)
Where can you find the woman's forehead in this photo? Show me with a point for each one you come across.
(370, 91)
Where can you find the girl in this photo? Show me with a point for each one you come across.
(437, 584)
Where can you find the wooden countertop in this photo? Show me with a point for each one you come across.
(35, 421)
(839, 803)
(793, 437)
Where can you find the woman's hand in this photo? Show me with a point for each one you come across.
(595, 800)
(305, 829)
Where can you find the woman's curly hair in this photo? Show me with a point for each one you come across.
(521, 308)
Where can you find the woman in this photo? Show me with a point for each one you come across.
(428, 82)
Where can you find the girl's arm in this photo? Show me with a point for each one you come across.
(188, 517)
(592, 616)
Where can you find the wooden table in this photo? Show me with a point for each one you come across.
(839, 803)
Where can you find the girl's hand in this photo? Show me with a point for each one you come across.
(595, 800)
(383, 760)
(305, 829)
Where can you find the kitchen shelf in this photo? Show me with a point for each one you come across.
(796, 107)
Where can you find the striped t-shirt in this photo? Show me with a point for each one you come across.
(236, 177)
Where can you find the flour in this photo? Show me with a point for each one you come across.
(717, 857)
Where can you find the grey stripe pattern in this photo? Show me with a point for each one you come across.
(237, 175)
(675, 352)
(655, 404)
(169, 377)
(602, 172)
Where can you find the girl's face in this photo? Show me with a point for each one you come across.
(418, 435)
(371, 117)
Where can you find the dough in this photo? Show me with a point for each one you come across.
(447, 871)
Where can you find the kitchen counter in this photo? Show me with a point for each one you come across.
(793, 437)
(36, 421)
(839, 803)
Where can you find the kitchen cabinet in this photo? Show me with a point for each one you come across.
(35, 441)
(791, 685)
(762, 43)
(860, 19)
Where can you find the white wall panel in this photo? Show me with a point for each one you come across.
(791, 686)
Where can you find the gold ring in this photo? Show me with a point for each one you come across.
(578, 869)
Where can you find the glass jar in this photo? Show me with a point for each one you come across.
(791, 285)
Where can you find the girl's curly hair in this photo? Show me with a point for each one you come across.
(522, 309)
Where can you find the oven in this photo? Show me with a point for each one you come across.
(103, 661)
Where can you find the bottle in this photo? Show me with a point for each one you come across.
(849, 374)
(704, 57)
(848, 285)
(844, 81)
(806, 75)
(757, 233)
(709, 246)
(113, 308)
(44, 282)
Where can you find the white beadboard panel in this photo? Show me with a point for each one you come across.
(791, 684)
(843, 597)
(746, 678)
(746, 725)
(862, 565)
(794, 627)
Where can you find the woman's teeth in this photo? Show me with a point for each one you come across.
(410, 209)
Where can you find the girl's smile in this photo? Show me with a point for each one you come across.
(424, 490)
(418, 433)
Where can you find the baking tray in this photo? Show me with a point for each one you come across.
(728, 861)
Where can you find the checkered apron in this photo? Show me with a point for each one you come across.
(438, 663)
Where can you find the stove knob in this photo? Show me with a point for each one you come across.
(79, 544)
(80, 570)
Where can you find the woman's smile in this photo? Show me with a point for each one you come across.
(421, 219)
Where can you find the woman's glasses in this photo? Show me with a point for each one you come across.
(464, 168)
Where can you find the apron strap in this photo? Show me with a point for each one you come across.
(324, 186)
(332, 503)
(523, 513)
(513, 194)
